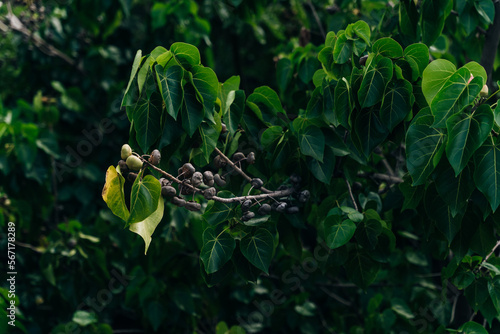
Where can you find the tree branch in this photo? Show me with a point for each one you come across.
(279, 193)
(489, 255)
(351, 194)
(382, 177)
(491, 43)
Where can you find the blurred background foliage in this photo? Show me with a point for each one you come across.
(64, 65)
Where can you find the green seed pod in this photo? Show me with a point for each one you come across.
(155, 157)
(126, 151)
(134, 163)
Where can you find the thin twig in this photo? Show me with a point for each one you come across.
(351, 194)
(489, 255)
(382, 177)
(316, 17)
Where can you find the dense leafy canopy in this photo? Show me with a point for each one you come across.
(381, 115)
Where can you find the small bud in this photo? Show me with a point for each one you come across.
(155, 158)
(134, 163)
(126, 151)
(484, 92)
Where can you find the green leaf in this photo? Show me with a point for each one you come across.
(323, 171)
(419, 53)
(466, 133)
(170, 84)
(424, 146)
(268, 104)
(143, 198)
(147, 120)
(186, 54)
(412, 195)
(485, 9)
(338, 232)
(455, 190)
(435, 76)
(342, 104)
(209, 134)
(487, 171)
(113, 194)
(312, 142)
(472, 327)
(135, 67)
(441, 214)
(397, 103)
(271, 136)
(408, 18)
(217, 249)
(284, 72)
(455, 94)
(206, 83)
(307, 68)
(192, 111)
(146, 227)
(375, 78)
(362, 30)
(361, 269)
(218, 212)
(84, 318)
(328, 87)
(494, 291)
(434, 14)
(476, 70)
(483, 241)
(343, 49)
(387, 47)
(367, 233)
(399, 306)
(258, 248)
(369, 130)
(476, 293)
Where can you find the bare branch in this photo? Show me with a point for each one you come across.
(351, 194)
(279, 193)
(382, 177)
(489, 255)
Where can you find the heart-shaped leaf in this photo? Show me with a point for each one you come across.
(338, 232)
(375, 78)
(435, 76)
(113, 194)
(217, 249)
(143, 198)
(487, 171)
(258, 248)
(397, 103)
(170, 84)
(146, 227)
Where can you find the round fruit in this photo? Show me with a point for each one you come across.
(126, 151)
(484, 92)
(131, 177)
(220, 180)
(256, 183)
(292, 210)
(281, 207)
(265, 209)
(193, 206)
(238, 156)
(196, 179)
(251, 158)
(209, 193)
(245, 206)
(304, 196)
(208, 178)
(219, 162)
(134, 163)
(187, 169)
(164, 182)
(247, 216)
(155, 158)
(123, 167)
(180, 202)
(168, 191)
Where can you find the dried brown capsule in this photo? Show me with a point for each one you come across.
(186, 189)
(238, 156)
(187, 170)
(208, 178)
(123, 167)
(220, 180)
(180, 202)
(251, 158)
(292, 210)
(265, 209)
(196, 179)
(168, 191)
(304, 196)
(164, 182)
(245, 206)
(224, 128)
(209, 193)
(193, 206)
(256, 183)
(155, 157)
(247, 216)
(131, 177)
(219, 162)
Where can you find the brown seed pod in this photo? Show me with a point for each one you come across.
(155, 157)
(238, 156)
(251, 158)
(123, 167)
(224, 128)
(193, 206)
(168, 191)
(164, 182)
(209, 193)
(220, 180)
(186, 190)
(208, 178)
(196, 179)
(256, 183)
(265, 209)
(219, 162)
(131, 177)
(187, 170)
(180, 202)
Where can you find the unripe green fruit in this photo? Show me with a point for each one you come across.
(134, 163)
(155, 157)
(484, 92)
(126, 151)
